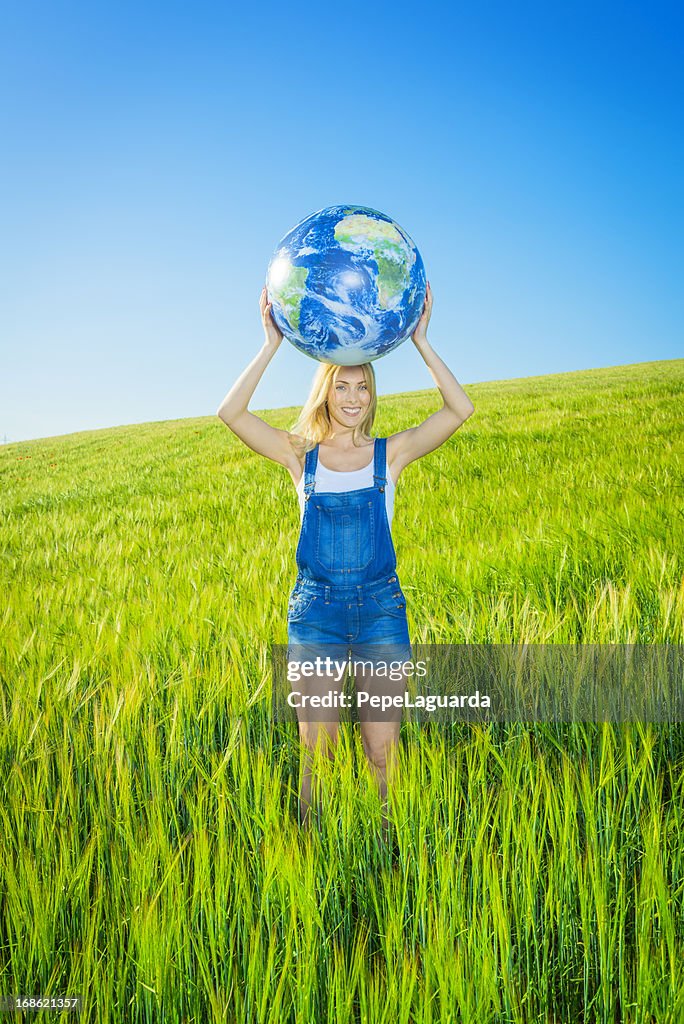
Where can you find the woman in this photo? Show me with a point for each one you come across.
(347, 597)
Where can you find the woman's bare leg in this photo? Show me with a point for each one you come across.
(313, 735)
(380, 743)
(316, 733)
(380, 732)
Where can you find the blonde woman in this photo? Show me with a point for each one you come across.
(347, 597)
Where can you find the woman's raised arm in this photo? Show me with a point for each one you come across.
(258, 435)
(411, 444)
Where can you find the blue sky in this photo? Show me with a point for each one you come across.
(155, 154)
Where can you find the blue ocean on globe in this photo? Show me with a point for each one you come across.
(347, 285)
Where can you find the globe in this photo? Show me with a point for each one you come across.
(346, 285)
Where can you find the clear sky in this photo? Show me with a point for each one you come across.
(154, 154)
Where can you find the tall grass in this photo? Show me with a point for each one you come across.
(149, 854)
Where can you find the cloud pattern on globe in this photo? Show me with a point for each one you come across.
(347, 285)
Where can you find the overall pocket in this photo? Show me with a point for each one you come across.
(345, 537)
(391, 600)
(299, 604)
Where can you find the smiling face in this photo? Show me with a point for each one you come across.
(348, 396)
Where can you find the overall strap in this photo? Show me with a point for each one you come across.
(310, 464)
(379, 477)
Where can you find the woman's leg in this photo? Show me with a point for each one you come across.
(380, 741)
(314, 735)
(380, 729)
(318, 703)
(382, 640)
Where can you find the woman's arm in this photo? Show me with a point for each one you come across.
(411, 444)
(258, 435)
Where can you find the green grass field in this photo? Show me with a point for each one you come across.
(150, 859)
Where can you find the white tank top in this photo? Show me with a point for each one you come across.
(337, 480)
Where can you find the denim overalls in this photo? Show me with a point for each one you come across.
(347, 595)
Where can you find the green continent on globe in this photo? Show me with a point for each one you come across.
(394, 275)
(291, 292)
(392, 255)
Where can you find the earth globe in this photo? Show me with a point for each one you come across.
(346, 285)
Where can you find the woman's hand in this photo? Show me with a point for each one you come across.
(272, 332)
(419, 336)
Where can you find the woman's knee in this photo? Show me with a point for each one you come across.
(323, 734)
(380, 741)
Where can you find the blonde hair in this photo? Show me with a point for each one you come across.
(314, 425)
